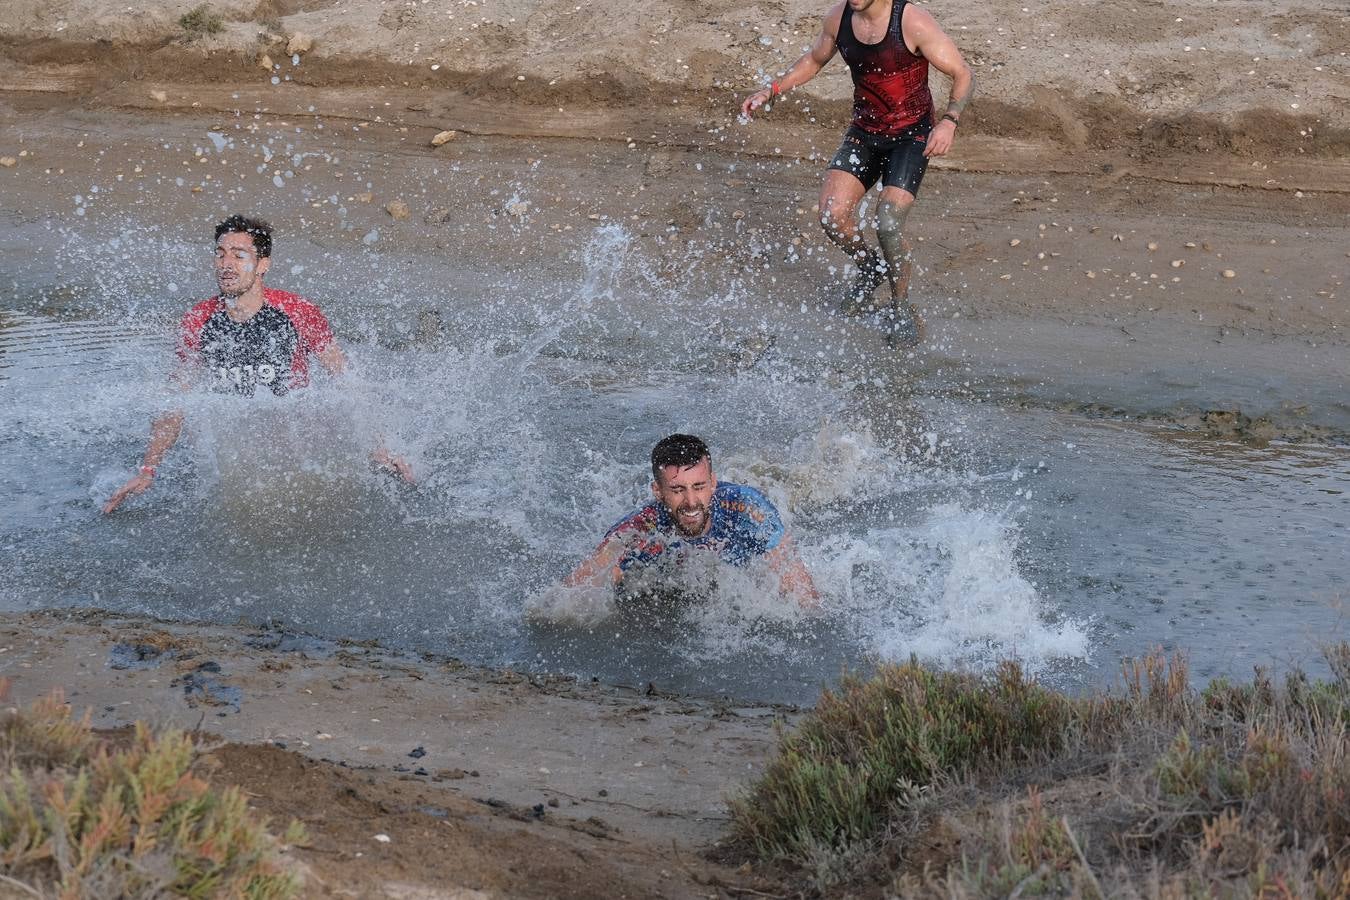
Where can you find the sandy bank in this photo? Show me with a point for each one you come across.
(1163, 76)
(491, 781)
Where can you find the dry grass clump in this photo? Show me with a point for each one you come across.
(79, 819)
(1155, 790)
(200, 21)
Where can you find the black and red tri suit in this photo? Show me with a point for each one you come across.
(271, 350)
(892, 107)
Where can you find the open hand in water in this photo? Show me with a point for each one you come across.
(393, 464)
(139, 484)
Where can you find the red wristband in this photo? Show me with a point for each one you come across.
(148, 470)
(773, 90)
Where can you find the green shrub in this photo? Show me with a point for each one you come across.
(1239, 790)
(837, 778)
(81, 819)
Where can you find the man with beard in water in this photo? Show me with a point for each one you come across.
(887, 45)
(693, 511)
(246, 340)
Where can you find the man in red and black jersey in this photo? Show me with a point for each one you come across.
(247, 339)
(888, 45)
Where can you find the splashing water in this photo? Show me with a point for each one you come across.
(528, 409)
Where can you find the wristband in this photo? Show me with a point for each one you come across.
(148, 470)
(774, 90)
(951, 118)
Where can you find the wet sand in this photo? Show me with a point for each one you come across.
(1112, 293)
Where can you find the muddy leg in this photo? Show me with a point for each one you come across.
(839, 198)
(903, 323)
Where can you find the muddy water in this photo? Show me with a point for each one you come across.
(950, 529)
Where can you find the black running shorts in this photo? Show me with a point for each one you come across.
(897, 161)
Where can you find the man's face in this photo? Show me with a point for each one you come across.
(237, 264)
(687, 495)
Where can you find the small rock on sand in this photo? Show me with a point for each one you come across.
(159, 96)
(659, 165)
(1229, 273)
(299, 43)
(365, 197)
(265, 62)
(398, 209)
(444, 137)
(8, 162)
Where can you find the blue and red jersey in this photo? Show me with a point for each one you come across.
(745, 524)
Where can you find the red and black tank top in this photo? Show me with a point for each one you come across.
(270, 351)
(890, 84)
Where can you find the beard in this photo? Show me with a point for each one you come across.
(233, 289)
(689, 527)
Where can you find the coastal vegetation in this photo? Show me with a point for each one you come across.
(84, 815)
(922, 782)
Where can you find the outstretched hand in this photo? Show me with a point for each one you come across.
(393, 464)
(137, 485)
(756, 100)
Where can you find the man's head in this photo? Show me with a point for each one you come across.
(682, 479)
(243, 254)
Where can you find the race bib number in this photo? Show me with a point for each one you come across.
(241, 377)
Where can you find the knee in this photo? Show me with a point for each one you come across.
(834, 216)
(891, 220)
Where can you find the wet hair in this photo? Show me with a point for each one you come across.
(679, 450)
(257, 229)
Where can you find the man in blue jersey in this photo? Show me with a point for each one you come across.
(692, 511)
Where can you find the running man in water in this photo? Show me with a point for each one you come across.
(887, 45)
(248, 339)
(692, 510)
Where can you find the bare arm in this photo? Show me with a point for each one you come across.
(334, 362)
(807, 66)
(600, 569)
(932, 43)
(332, 359)
(793, 578)
(163, 435)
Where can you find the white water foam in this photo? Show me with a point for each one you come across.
(526, 452)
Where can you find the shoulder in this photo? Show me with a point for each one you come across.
(833, 17)
(305, 315)
(750, 516)
(646, 518)
(743, 499)
(917, 22)
(291, 304)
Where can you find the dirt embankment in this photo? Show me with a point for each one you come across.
(1154, 80)
(420, 777)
